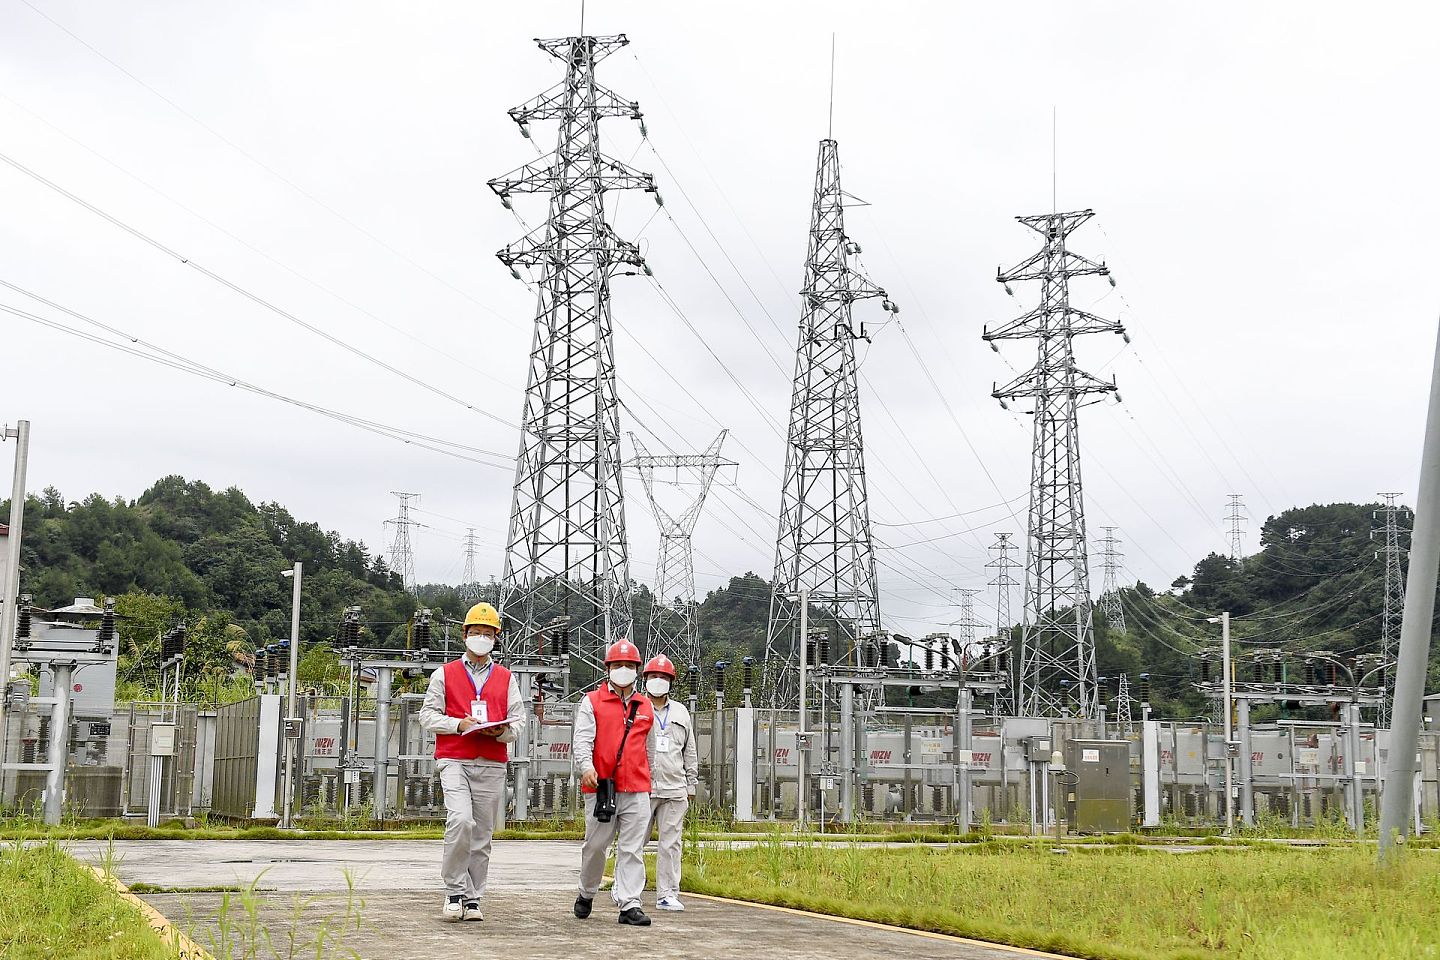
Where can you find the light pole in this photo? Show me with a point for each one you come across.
(1227, 679)
(9, 589)
(292, 723)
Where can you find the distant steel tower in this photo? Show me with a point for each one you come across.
(566, 551)
(469, 585)
(402, 554)
(1123, 703)
(674, 629)
(1003, 583)
(1394, 601)
(1236, 519)
(1057, 644)
(824, 544)
(967, 623)
(1110, 604)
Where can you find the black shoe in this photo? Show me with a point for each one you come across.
(634, 917)
(582, 907)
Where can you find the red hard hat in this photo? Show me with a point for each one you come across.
(622, 651)
(660, 664)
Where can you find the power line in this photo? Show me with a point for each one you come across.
(249, 295)
(177, 362)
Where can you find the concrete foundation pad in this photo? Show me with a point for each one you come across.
(397, 898)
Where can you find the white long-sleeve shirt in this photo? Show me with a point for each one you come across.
(434, 718)
(582, 742)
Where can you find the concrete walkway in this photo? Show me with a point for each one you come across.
(527, 910)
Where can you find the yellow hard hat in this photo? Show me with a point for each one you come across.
(484, 614)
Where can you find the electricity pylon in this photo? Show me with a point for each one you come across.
(469, 585)
(402, 554)
(566, 552)
(1394, 602)
(674, 629)
(1123, 703)
(1110, 604)
(967, 623)
(1236, 519)
(1003, 583)
(1057, 645)
(824, 544)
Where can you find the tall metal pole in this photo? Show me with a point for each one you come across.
(1396, 802)
(1225, 695)
(292, 743)
(802, 737)
(9, 589)
(1229, 724)
(62, 672)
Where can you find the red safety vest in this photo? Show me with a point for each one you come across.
(459, 692)
(634, 773)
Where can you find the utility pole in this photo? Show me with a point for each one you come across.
(566, 552)
(824, 546)
(469, 584)
(1397, 801)
(674, 628)
(402, 555)
(1394, 601)
(1227, 691)
(1057, 647)
(9, 589)
(1110, 605)
(292, 719)
(1236, 519)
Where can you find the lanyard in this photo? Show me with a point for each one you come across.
(480, 689)
(665, 723)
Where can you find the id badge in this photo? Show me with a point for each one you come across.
(480, 710)
(662, 743)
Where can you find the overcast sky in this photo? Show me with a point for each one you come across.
(1262, 177)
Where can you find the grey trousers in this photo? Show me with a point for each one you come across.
(669, 817)
(473, 794)
(631, 824)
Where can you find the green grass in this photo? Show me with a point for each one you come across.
(1249, 902)
(54, 907)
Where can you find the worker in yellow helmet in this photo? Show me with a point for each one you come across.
(472, 706)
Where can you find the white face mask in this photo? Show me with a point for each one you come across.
(657, 687)
(622, 676)
(480, 644)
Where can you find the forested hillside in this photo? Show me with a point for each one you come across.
(183, 551)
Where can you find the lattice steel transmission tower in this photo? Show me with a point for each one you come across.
(1003, 583)
(566, 552)
(1394, 601)
(1110, 605)
(1123, 702)
(674, 629)
(469, 584)
(1058, 643)
(967, 623)
(1236, 519)
(824, 544)
(402, 554)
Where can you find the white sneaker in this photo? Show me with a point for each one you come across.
(472, 910)
(454, 910)
(669, 903)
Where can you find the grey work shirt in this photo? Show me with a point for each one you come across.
(674, 771)
(432, 710)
